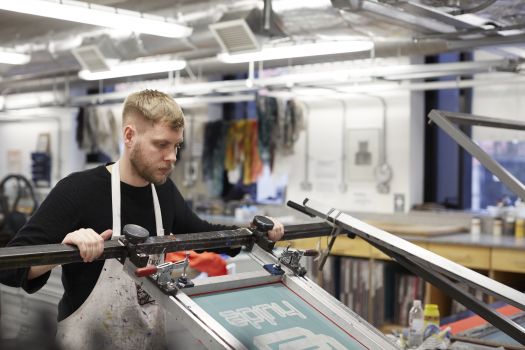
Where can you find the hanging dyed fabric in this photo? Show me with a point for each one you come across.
(292, 125)
(234, 145)
(253, 165)
(213, 155)
(242, 149)
(267, 121)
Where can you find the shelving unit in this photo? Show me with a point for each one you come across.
(500, 258)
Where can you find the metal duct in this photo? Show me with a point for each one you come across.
(319, 22)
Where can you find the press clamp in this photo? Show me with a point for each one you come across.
(162, 274)
(291, 259)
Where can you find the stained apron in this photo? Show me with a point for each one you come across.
(111, 317)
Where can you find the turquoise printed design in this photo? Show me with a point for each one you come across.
(272, 317)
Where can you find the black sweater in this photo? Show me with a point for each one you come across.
(83, 200)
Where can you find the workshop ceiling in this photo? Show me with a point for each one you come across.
(397, 27)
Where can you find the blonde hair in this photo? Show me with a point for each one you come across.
(153, 106)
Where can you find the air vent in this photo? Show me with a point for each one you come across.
(90, 58)
(234, 36)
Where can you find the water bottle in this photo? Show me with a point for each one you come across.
(416, 325)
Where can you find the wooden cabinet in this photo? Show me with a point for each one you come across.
(510, 260)
(471, 257)
(352, 247)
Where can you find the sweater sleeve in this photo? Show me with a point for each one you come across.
(55, 218)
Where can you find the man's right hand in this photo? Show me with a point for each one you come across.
(89, 243)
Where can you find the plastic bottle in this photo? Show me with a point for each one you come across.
(431, 316)
(416, 324)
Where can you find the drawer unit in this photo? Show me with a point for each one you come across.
(508, 260)
(472, 257)
(351, 247)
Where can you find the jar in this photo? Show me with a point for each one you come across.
(519, 231)
(497, 227)
(431, 315)
(475, 226)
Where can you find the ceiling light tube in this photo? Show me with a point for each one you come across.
(105, 16)
(137, 68)
(302, 50)
(9, 57)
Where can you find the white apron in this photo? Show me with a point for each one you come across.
(111, 317)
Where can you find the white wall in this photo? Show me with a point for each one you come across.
(504, 101)
(405, 123)
(19, 130)
(325, 123)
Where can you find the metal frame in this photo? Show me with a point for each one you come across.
(189, 313)
(445, 120)
(338, 312)
(202, 326)
(58, 254)
(444, 273)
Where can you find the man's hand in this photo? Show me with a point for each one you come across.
(89, 243)
(277, 232)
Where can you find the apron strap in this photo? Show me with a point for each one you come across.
(115, 203)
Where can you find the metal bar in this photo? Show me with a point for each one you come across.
(52, 254)
(226, 282)
(442, 119)
(58, 254)
(502, 322)
(306, 231)
(419, 10)
(325, 255)
(487, 343)
(471, 31)
(410, 20)
(196, 241)
(425, 258)
(475, 120)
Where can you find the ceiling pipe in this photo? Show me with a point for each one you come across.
(383, 49)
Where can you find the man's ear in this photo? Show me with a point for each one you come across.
(130, 135)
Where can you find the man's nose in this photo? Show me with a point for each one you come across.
(172, 156)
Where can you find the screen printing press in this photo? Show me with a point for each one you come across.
(275, 307)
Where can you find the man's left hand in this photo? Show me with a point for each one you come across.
(277, 232)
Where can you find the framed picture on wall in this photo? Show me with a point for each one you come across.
(362, 154)
(43, 143)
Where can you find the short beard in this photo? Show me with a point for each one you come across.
(136, 159)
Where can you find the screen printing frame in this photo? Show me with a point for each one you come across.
(433, 268)
(213, 335)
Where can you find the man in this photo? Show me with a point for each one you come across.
(87, 208)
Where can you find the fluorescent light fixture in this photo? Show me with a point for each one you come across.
(135, 68)
(285, 5)
(302, 50)
(9, 57)
(105, 16)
